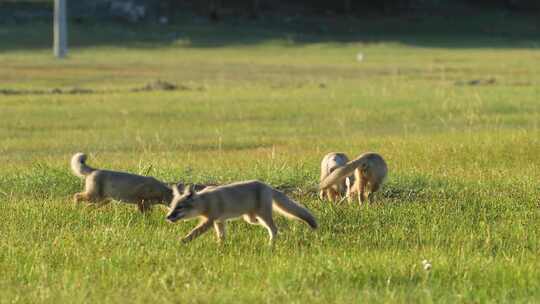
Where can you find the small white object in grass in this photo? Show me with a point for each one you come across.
(426, 264)
(163, 20)
(359, 57)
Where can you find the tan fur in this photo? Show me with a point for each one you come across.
(329, 163)
(369, 170)
(103, 185)
(197, 187)
(252, 200)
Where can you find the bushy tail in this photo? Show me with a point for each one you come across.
(342, 172)
(79, 167)
(290, 208)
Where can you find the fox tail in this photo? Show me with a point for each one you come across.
(289, 208)
(79, 166)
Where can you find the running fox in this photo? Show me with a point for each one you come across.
(253, 200)
(103, 185)
(331, 162)
(370, 171)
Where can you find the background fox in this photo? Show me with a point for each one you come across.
(254, 200)
(329, 163)
(370, 171)
(103, 185)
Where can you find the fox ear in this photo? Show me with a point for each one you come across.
(189, 191)
(175, 190)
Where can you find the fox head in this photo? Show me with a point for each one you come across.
(184, 205)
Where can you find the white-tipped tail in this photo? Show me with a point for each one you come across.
(288, 207)
(79, 167)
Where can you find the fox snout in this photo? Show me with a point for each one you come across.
(173, 216)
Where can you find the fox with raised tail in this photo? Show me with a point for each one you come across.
(252, 200)
(369, 170)
(329, 163)
(103, 185)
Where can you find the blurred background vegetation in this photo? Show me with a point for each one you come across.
(167, 10)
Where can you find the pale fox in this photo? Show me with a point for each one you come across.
(369, 170)
(103, 185)
(253, 200)
(329, 163)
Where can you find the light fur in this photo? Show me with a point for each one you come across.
(79, 166)
(103, 185)
(252, 200)
(329, 163)
(370, 171)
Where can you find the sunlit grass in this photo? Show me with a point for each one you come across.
(462, 191)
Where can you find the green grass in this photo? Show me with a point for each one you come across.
(463, 189)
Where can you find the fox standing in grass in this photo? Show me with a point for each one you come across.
(331, 162)
(370, 171)
(103, 185)
(254, 200)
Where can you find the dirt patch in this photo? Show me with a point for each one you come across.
(43, 92)
(477, 82)
(158, 85)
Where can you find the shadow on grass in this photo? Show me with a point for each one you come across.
(417, 188)
(490, 30)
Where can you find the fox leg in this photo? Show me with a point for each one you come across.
(268, 223)
(145, 202)
(355, 188)
(335, 195)
(85, 196)
(220, 230)
(151, 201)
(361, 191)
(197, 231)
(329, 194)
(143, 205)
(351, 192)
(264, 213)
(374, 188)
(326, 192)
(348, 187)
(92, 192)
(145, 197)
(78, 197)
(264, 217)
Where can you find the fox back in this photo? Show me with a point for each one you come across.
(129, 187)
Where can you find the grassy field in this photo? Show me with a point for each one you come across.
(457, 119)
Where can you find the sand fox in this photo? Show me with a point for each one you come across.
(103, 185)
(370, 171)
(253, 200)
(330, 162)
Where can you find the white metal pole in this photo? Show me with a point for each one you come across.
(60, 28)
